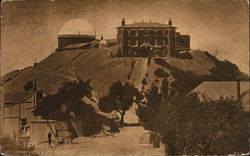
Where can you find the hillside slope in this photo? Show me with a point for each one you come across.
(96, 64)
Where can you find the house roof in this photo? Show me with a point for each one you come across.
(77, 45)
(13, 98)
(16, 97)
(146, 25)
(223, 88)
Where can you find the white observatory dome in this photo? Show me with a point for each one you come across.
(77, 27)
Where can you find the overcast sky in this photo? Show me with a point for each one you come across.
(30, 28)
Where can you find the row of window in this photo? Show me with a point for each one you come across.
(142, 32)
(139, 42)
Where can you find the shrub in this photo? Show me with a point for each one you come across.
(185, 81)
(161, 73)
(225, 70)
(186, 55)
(144, 81)
(128, 76)
(157, 81)
(191, 126)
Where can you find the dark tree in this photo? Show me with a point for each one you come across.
(69, 95)
(192, 126)
(121, 97)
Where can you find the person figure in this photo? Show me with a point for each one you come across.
(49, 138)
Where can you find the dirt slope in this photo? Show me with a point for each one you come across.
(96, 64)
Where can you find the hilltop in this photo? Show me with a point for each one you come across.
(97, 65)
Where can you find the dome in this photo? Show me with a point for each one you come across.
(77, 27)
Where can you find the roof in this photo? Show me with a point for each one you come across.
(223, 88)
(16, 97)
(13, 98)
(181, 48)
(76, 36)
(77, 45)
(147, 25)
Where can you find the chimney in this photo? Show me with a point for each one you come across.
(238, 87)
(170, 22)
(123, 21)
(35, 63)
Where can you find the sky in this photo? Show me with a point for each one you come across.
(29, 28)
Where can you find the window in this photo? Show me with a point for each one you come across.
(166, 33)
(125, 33)
(23, 124)
(132, 33)
(23, 121)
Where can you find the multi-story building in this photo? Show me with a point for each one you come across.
(160, 39)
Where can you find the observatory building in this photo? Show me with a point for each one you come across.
(160, 39)
(74, 32)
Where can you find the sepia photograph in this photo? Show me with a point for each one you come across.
(124, 77)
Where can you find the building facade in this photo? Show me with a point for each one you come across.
(150, 38)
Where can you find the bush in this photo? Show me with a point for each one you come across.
(144, 81)
(128, 76)
(225, 70)
(185, 81)
(157, 81)
(186, 55)
(8, 144)
(161, 73)
(191, 126)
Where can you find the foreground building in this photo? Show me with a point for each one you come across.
(161, 39)
(20, 123)
(226, 89)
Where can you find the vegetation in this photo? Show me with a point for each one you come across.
(161, 73)
(192, 126)
(144, 81)
(67, 103)
(121, 97)
(185, 81)
(225, 70)
(10, 146)
(185, 55)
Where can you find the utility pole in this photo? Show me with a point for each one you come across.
(34, 93)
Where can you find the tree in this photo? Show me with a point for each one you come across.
(69, 95)
(67, 102)
(193, 125)
(121, 97)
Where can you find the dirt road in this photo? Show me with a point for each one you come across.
(125, 143)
